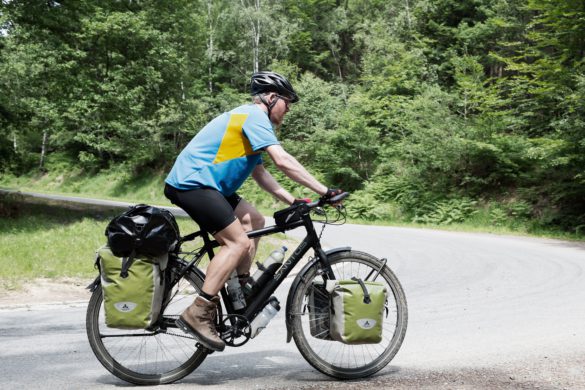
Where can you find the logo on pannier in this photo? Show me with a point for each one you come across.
(125, 307)
(366, 323)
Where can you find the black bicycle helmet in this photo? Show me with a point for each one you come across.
(263, 82)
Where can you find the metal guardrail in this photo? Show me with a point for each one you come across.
(177, 212)
(89, 201)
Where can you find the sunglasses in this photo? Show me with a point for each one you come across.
(286, 100)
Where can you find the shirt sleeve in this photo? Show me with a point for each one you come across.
(259, 132)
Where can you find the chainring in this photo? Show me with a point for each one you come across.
(235, 330)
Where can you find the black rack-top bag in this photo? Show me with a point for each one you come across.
(142, 230)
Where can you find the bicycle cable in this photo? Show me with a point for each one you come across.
(341, 216)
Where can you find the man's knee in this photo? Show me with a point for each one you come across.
(242, 245)
(258, 221)
(250, 218)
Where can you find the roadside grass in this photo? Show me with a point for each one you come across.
(147, 187)
(48, 242)
(40, 239)
(480, 223)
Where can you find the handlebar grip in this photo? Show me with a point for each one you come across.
(338, 198)
(334, 199)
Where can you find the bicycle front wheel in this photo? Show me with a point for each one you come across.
(334, 358)
(163, 355)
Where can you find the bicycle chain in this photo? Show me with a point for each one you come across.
(178, 335)
(166, 331)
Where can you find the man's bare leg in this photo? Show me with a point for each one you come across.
(251, 219)
(199, 318)
(235, 246)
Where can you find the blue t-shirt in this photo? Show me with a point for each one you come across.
(225, 152)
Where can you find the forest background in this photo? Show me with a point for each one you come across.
(429, 111)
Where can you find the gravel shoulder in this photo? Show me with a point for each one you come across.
(45, 291)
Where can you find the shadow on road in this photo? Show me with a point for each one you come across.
(569, 244)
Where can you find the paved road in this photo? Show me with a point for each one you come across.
(485, 312)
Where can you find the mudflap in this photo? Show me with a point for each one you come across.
(98, 280)
(95, 284)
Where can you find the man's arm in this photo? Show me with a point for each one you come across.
(293, 169)
(269, 184)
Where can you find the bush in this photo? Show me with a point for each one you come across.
(498, 216)
(519, 209)
(10, 205)
(448, 211)
(363, 205)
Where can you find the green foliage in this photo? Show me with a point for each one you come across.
(10, 205)
(412, 102)
(364, 205)
(498, 216)
(447, 212)
(519, 209)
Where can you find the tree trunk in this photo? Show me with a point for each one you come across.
(43, 149)
(257, 37)
(336, 61)
(255, 24)
(210, 46)
(408, 14)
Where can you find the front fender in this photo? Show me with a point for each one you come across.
(295, 286)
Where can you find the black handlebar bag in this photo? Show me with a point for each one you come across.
(142, 230)
(287, 216)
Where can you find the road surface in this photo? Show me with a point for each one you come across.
(485, 311)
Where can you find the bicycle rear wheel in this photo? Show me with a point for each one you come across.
(334, 358)
(143, 357)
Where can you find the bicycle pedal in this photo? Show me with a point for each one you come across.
(199, 346)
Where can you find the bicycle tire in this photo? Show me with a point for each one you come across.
(142, 357)
(351, 361)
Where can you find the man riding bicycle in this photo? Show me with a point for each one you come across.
(209, 171)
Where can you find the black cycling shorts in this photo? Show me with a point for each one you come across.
(211, 210)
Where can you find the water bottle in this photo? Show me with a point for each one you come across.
(265, 271)
(235, 292)
(262, 319)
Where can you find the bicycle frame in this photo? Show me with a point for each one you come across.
(311, 240)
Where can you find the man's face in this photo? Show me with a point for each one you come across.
(280, 109)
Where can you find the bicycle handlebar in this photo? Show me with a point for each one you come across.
(332, 200)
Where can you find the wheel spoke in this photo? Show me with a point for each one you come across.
(335, 358)
(142, 357)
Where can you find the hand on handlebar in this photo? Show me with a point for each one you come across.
(330, 194)
(300, 201)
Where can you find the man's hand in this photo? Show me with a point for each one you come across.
(331, 192)
(299, 201)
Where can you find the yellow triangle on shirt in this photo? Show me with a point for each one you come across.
(234, 143)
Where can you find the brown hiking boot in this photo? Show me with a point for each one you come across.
(198, 319)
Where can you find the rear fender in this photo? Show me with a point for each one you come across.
(94, 285)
